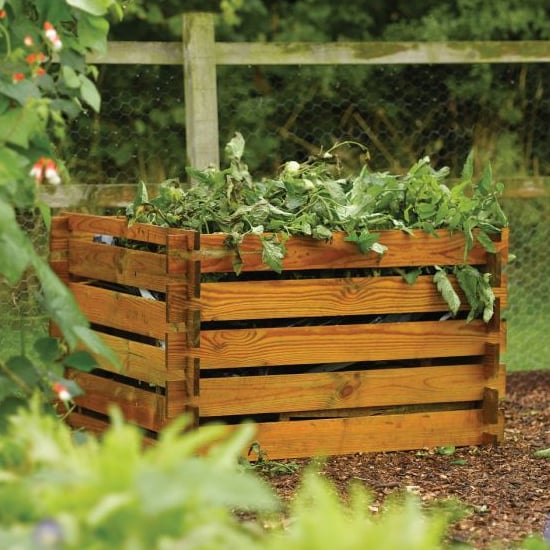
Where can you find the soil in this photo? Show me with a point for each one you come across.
(505, 489)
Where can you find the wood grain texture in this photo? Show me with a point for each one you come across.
(337, 343)
(144, 316)
(114, 264)
(420, 249)
(139, 361)
(447, 365)
(139, 406)
(340, 390)
(276, 298)
(399, 432)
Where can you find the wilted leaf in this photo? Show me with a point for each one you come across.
(447, 291)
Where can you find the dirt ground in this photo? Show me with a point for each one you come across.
(506, 489)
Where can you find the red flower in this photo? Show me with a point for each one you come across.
(17, 77)
(61, 391)
(3, 14)
(52, 36)
(45, 168)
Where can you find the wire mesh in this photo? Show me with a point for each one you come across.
(400, 112)
(22, 318)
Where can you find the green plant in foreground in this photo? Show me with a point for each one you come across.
(113, 493)
(68, 490)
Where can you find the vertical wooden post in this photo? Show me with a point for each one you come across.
(201, 98)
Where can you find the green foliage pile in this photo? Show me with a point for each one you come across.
(323, 195)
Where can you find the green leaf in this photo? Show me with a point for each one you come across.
(486, 241)
(273, 253)
(235, 148)
(445, 288)
(48, 348)
(411, 275)
(365, 240)
(18, 126)
(11, 164)
(468, 168)
(70, 77)
(89, 93)
(95, 7)
(20, 92)
(92, 32)
(15, 248)
(81, 360)
(542, 453)
(24, 370)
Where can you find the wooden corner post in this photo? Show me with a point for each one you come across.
(201, 98)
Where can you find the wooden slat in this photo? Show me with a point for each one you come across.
(339, 436)
(118, 265)
(339, 390)
(337, 343)
(88, 423)
(319, 297)
(134, 314)
(117, 227)
(145, 408)
(139, 361)
(307, 253)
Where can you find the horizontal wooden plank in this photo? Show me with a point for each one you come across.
(116, 226)
(275, 299)
(89, 423)
(331, 53)
(342, 343)
(399, 432)
(143, 316)
(420, 249)
(144, 408)
(327, 391)
(115, 264)
(139, 361)
(381, 53)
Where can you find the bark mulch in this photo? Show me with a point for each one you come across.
(504, 489)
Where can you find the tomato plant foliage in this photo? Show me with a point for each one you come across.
(323, 195)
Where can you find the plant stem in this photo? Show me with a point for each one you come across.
(8, 41)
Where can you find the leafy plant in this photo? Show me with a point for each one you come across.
(323, 195)
(264, 465)
(60, 489)
(44, 82)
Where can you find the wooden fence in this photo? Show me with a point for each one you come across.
(199, 55)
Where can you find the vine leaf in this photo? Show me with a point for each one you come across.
(273, 252)
(445, 288)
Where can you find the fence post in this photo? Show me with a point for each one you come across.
(201, 98)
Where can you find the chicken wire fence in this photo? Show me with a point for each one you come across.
(400, 113)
